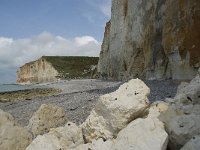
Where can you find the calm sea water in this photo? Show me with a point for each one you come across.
(15, 87)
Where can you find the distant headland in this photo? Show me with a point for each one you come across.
(54, 68)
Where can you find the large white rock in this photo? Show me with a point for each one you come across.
(193, 144)
(46, 117)
(140, 134)
(182, 118)
(182, 128)
(157, 108)
(115, 110)
(12, 136)
(65, 137)
(190, 94)
(182, 86)
(95, 145)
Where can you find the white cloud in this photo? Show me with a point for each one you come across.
(89, 17)
(85, 40)
(106, 8)
(4, 42)
(16, 52)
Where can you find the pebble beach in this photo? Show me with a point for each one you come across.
(78, 97)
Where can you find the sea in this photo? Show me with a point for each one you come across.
(17, 87)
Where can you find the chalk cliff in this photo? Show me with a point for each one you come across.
(152, 39)
(37, 71)
(53, 68)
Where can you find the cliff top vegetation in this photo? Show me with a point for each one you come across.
(73, 66)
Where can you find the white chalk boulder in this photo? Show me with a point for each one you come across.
(190, 94)
(193, 144)
(182, 118)
(65, 137)
(95, 145)
(114, 111)
(157, 108)
(46, 117)
(182, 128)
(142, 134)
(12, 136)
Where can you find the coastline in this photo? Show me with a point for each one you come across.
(38, 90)
(27, 94)
(78, 97)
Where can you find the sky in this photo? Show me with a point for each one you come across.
(30, 29)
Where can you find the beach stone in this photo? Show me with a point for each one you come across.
(157, 108)
(142, 134)
(182, 128)
(190, 94)
(65, 137)
(95, 145)
(183, 114)
(114, 111)
(12, 136)
(46, 117)
(193, 144)
(182, 86)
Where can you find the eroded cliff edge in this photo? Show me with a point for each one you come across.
(154, 39)
(37, 71)
(53, 68)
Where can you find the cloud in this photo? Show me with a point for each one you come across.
(16, 52)
(106, 8)
(89, 17)
(85, 40)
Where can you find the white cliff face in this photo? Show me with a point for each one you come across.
(37, 72)
(151, 39)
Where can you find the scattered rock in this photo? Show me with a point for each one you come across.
(182, 128)
(95, 145)
(157, 108)
(65, 137)
(12, 136)
(46, 117)
(189, 94)
(114, 111)
(183, 114)
(193, 144)
(142, 134)
(182, 86)
(121, 120)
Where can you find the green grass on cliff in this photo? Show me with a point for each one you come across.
(73, 66)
